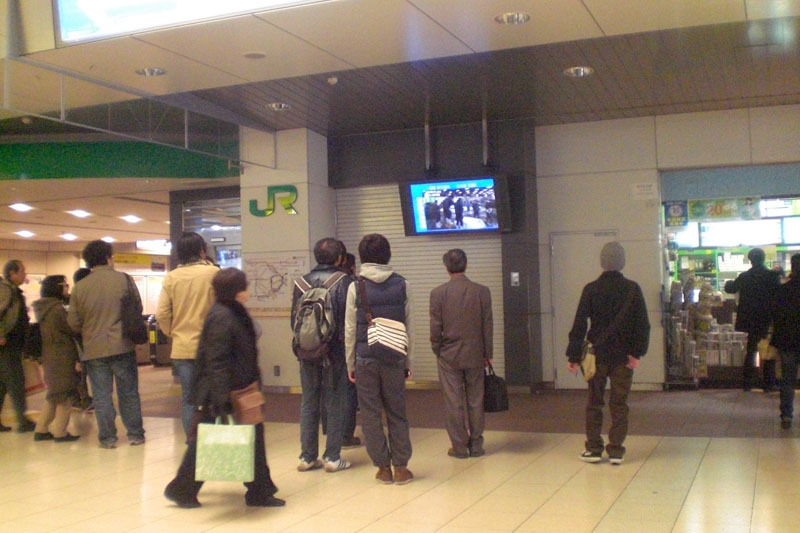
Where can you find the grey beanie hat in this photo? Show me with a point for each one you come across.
(612, 257)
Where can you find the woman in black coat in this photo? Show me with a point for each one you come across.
(227, 359)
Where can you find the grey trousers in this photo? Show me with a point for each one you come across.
(463, 401)
(382, 387)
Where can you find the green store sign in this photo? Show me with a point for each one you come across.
(286, 195)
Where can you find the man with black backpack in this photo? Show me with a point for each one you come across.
(318, 309)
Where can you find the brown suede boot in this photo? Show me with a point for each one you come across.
(384, 474)
(402, 475)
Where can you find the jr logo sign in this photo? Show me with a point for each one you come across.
(286, 195)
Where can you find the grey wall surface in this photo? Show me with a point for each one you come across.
(456, 151)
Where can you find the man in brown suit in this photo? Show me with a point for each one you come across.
(461, 338)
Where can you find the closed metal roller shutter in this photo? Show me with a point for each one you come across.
(376, 209)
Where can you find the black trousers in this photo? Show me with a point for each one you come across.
(12, 380)
(185, 485)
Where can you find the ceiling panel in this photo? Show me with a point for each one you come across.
(617, 17)
(473, 22)
(365, 32)
(116, 61)
(224, 43)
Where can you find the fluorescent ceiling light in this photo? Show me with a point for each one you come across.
(216, 227)
(108, 239)
(83, 21)
(580, 71)
(513, 18)
(80, 213)
(22, 208)
(25, 233)
(150, 71)
(131, 219)
(68, 236)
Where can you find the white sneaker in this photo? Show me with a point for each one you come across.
(305, 466)
(335, 466)
(615, 460)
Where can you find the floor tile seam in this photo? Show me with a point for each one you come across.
(628, 484)
(694, 478)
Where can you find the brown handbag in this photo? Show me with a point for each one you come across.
(248, 404)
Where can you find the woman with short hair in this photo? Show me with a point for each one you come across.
(59, 359)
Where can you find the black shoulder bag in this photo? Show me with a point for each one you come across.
(133, 326)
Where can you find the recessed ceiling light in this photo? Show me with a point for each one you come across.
(255, 55)
(132, 219)
(151, 71)
(108, 239)
(332, 80)
(513, 17)
(68, 236)
(22, 208)
(279, 106)
(26, 120)
(25, 233)
(80, 213)
(580, 71)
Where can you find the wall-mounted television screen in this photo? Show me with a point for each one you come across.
(454, 206)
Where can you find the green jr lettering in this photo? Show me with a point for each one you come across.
(286, 195)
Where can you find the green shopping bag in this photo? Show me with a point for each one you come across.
(225, 452)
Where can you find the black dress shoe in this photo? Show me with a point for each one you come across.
(67, 438)
(182, 501)
(786, 423)
(3, 428)
(269, 501)
(43, 436)
(458, 455)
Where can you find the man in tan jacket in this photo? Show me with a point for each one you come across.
(95, 313)
(186, 296)
(461, 338)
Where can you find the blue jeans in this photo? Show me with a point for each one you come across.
(102, 373)
(333, 379)
(788, 382)
(184, 369)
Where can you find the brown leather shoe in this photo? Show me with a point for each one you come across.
(384, 474)
(402, 475)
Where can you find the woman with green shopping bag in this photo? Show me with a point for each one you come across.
(227, 360)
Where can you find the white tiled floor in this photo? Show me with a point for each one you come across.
(526, 482)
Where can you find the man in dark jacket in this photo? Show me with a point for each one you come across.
(757, 289)
(461, 339)
(13, 327)
(620, 333)
(326, 377)
(786, 338)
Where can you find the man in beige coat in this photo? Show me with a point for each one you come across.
(186, 296)
(461, 338)
(95, 312)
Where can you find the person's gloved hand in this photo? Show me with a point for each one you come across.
(220, 410)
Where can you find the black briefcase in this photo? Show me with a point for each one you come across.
(495, 395)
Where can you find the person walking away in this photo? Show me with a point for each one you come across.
(185, 298)
(13, 328)
(227, 360)
(620, 333)
(323, 378)
(379, 376)
(59, 359)
(95, 313)
(461, 338)
(757, 288)
(786, 338)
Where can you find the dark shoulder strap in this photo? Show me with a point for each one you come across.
(619, 318)
(362, 291)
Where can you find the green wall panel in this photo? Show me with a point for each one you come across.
(107, 160)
